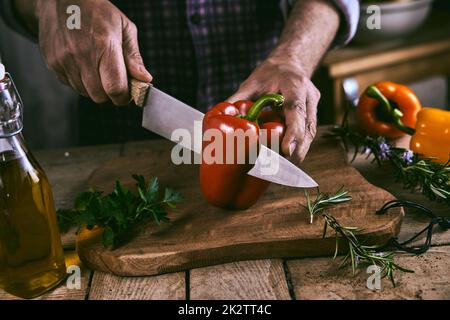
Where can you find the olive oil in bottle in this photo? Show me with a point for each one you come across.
(31, 255)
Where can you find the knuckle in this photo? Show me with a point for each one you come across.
(311, 129)
(136, 55)
(113, 89)
(303, 79)
(300, 108)
(132, 28)
(105, 40)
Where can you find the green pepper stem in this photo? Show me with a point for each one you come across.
(394, 114)
(258, 106)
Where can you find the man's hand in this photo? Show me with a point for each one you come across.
(308, 33)
(97, 59)
(301, 99)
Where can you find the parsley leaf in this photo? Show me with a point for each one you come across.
(120, 212)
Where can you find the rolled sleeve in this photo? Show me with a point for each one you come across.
(9, 15)
(348, 11)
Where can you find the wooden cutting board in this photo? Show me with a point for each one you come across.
(201, 235)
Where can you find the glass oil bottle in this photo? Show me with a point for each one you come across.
(31, 254)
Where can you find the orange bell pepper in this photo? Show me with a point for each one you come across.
(432, 137)
(388, 109)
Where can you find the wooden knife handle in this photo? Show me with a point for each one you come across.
(139, 91)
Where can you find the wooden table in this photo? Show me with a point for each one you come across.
(309, 278)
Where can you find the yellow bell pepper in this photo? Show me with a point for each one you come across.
(432, 137)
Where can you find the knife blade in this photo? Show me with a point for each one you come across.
(164, 114)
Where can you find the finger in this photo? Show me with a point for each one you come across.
(60, 73)
(310, 125)
(72, 74)
(61, 76)
(294, 111)
(113, 74)
(133, 59)
(94, 88)
(245, 92)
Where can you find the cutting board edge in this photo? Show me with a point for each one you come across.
(123, 267)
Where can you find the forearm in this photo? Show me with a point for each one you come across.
(309, 31)
(26, 10)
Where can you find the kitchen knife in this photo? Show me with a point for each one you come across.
(164, 115)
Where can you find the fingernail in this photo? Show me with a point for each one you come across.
(292, 147)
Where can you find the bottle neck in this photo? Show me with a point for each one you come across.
(12, 148)
(10, 108)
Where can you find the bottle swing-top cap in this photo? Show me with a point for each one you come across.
(10, 106)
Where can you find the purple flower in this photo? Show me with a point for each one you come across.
(408, 157)
(385, 150)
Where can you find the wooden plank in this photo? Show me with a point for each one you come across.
(406, 72)
(390, 57)
(319, 278)
(202, 235)
(246, 280)
(165, 287)
(69, 169)
(401, 73)
(63, 292)
(430, 39)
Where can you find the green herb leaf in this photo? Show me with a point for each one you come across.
(120, 212)
(171, 197)
(108, 237)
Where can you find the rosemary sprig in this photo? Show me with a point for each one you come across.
(325, 200)
(358, 252)
(415, 172)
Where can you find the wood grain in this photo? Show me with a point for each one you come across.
(390, 57)
(201, 235)
(70, 171)
(246, 280)
(320, 278)
(139, 91)
(164, 287)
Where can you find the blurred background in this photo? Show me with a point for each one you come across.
(412, 47)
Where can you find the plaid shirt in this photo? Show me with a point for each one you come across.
(198, 51)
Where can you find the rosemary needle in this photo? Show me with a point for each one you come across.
(325, 200)
(358, 252)
(416, 173)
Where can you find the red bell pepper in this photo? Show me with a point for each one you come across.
(227, 185)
